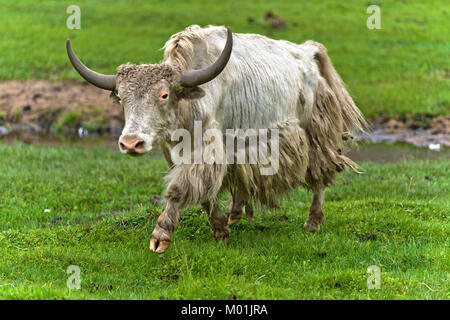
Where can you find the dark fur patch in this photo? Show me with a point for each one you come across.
(140, 78)
(174, 193)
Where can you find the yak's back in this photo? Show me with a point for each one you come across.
(265, 81)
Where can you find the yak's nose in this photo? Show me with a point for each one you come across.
(132, 145)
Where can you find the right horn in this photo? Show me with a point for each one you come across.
(192, 78)
(107, 82)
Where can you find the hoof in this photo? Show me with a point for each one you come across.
(221, 234)
(159, 246)
(312, 224)
(233, 215)
(232, 219)
(311, 227)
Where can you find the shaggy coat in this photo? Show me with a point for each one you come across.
(266, 84)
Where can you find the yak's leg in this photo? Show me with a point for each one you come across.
(184, 189)
(217, 221)
(248, 211)
(167, 221)
(315, 216)
(234, 208)
(189, 184)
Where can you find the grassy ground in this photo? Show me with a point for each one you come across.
(400, 69)
(101, 220)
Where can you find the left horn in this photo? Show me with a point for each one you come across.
(192, 78)
(107, 82)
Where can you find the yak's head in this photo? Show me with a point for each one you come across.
(149, 94)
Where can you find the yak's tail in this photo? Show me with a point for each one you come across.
(353, 120)
(334, 119)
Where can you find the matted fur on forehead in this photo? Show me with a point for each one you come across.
(144, 76)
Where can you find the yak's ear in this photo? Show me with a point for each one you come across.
(190, 93)
(113, 98)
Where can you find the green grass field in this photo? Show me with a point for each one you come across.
(395, 216)
(101, 220)
(398, 70)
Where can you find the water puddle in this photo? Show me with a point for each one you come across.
(418, 138)
(394, 152)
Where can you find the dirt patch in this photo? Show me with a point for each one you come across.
(274, 21)
(41, 105)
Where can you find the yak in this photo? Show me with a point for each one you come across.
(224, 80)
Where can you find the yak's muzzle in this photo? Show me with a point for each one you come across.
(132, 145)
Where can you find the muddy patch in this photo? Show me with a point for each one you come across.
(45, 106)
(272, 20)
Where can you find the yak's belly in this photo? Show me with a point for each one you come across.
(281, 168)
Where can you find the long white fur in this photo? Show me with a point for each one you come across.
(265, 81)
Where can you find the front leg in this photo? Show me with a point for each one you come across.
(167, 221)
(189, 184)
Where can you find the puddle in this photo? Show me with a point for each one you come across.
(418, 138)
(380, 152)
(394, 152)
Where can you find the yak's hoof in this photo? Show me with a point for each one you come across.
(221, 234)
(232, 215)
(158, 246)
(233, 218)
(312, 224)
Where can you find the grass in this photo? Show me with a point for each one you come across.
(401, 69)
(101, 216)
(101, 219)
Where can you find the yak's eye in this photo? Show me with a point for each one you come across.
(163, 95)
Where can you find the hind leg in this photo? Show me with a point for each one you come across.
(217, 221)
(316, 215)
(234, 208)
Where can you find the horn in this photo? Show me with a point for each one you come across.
(107, 82)
(192, 78)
